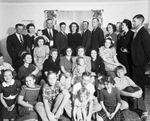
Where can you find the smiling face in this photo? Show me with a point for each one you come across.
(63, 27)
(49, 24)
(85, 80)
(54, 55)
(69, 52)
(19, 29)
(30, 82)
(95, 23)
(52, 79)
(93, 54)
(107, 85)
(107, 43)
(8, 76)
(110, 29)
(83, 97)
(81, 52)
(74, 28)
(28, 59)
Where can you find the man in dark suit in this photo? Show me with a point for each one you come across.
(97, 35)
(61, 39)
(86, 37)
(16, 45)
(50, 33)
(140, 51)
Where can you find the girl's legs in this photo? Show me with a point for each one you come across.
(5, 119)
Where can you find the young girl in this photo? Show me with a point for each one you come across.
(28, 98)
(78, 70)
(110, 101)
(9, 90)
(80, 111)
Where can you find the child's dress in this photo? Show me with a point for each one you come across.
(10, 93)
(110, 101)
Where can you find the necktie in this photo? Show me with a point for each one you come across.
(50, 34)
(135, 33)
(21, 40)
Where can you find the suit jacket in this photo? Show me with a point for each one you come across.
(14, 47)
(140, 48)
(45, 32)
(61, 42)
(86, 40)
(97, 38)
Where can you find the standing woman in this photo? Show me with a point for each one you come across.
(66, 68)
(111, 28)
(125, 46)
(41, 53)
(74, 38)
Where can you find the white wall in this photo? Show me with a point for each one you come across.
(12, 13)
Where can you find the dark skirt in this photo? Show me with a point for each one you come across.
(118, 117)
(9, 114)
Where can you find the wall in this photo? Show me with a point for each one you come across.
(12, 13)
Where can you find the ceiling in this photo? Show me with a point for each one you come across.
(33, 1)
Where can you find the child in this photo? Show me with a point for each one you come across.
(130, 92)
(55, 98)
(78, 70)
(40, 33)
(9, 90)
(28, 98)
(110, 101)
(81, 110)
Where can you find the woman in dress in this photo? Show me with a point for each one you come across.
(66, 68)
(124, 47)
(74, 38)
(41, 53)
(111, 28)
(108, 54)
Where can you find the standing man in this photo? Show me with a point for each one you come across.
(16, 45)
(140, 50)
(86, 37)
(61, 40)
(97, 35)
(50, 32)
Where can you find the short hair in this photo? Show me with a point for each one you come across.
(4, 71)
(113, 27)
(107, 79)
(96, 19)
(30, 25)
(86, 22)
(32, 76)
(83, 91)
(51, 72)
(80, 47)
(77, 60)
(62, 23)
(70, 27)
(25, 54)
(48, 19)
(128, 23)
(53, 50)
(139, 16)
(86, 74)
(1, 54)
(119, 68)
(16, 26)
(109, 38)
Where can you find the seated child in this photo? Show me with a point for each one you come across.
(130, 92)
(81, 110)
(28, 98)
(55, 97)
(110, 101)
(9, 90)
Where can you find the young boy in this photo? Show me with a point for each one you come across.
(55, 98)
(130, 92)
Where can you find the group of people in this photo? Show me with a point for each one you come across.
(84, 76)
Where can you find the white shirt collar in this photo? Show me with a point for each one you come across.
(7, 85)
(139, 28)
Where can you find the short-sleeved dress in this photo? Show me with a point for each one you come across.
(10, 93)
(31, 96)
(40, 54)
(67, 64)
(109, 54)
